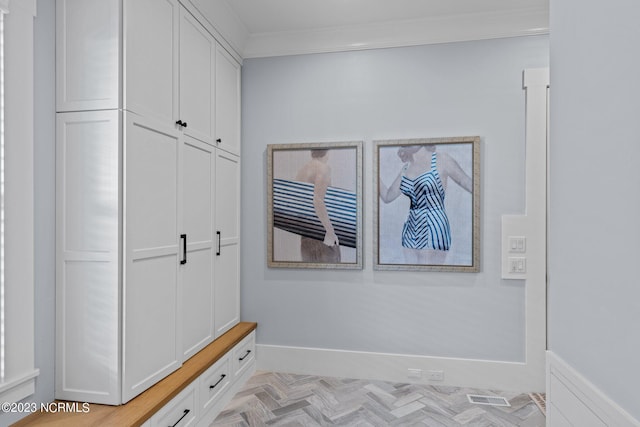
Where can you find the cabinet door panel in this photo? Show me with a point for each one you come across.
(198, 176)
(197, 279)
(88, 178)
(151, 188)
(197, 59)
(197, 310)
(152, 252)
(227, 265)
(227, 105)
(227, 289)
(228, 195)
(150, 323)
(150, 59)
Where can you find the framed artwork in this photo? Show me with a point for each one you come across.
(427, 204)
(314, 205)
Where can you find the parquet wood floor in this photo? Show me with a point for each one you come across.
(279, 399)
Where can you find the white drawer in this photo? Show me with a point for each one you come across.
(214, 382)
(243, 354)
(181, 411)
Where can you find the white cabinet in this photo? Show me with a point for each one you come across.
(87, 67)
(150, 58)
(197, 74)
(152, 252)
(227, 101)
(88, 255)
(181, 411)
(227, 263)
(198, 192)
(144, 281)
(225, 378)
(215, 383)
(117, 255)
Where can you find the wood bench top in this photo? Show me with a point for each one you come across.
(142, 407)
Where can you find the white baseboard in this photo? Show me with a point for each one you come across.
(504, 376)
(574, 401)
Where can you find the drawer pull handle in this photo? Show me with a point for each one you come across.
(184, 249)
(219, 381)
(186, 411)
(245, 355)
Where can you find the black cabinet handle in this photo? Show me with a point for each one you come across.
(184, 124)
(184, 249)
(218, 140)
(219, 381)
(180, 123)
(219, 243)
(186, 411)
(245, 355)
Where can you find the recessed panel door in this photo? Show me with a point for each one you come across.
(152, 254)
(197, 268)
(197, 62)
(227, 264)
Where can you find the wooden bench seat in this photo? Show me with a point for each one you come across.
(141, 408)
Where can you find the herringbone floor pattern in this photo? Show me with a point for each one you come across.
(278, 399)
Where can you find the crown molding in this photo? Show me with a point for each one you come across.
(455, 28)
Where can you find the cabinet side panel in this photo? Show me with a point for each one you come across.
(87, 256)
(88, 54)
(89, 365)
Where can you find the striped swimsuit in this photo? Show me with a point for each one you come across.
(427, 225)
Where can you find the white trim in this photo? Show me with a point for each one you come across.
(18, 388)
(19, 310)
(574, 400)
(504, 376)
(467, 27)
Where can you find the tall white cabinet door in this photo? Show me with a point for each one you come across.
(151, 58)
(152, 255)
(198, 161)
(197, 62)
(227, 101)
(87, 256)
(88, 52)
(227, 265)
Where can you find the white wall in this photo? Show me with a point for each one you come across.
(470, 88)
(594, 296)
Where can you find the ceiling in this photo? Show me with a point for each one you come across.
(272, 27)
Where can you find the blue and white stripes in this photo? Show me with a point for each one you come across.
(427, 225)
(293, 211)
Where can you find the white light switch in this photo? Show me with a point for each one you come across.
(517, 244)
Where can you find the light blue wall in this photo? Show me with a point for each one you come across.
(594, 292)
(472, 88)
(44, 226)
